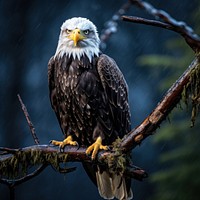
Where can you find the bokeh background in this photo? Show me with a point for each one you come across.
(151, 60)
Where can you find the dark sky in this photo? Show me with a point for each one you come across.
(29, 33)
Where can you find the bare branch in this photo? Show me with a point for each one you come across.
(15, 182)
(111, 25)
(192, 39)
(140, 20)
(32, 129)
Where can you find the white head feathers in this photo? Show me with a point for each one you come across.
(88, 46)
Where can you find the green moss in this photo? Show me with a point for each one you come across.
(19, 163)
(191, 93)
(117, 161)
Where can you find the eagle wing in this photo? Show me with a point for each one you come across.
(52, 89)
(116, 91)
(51, 81)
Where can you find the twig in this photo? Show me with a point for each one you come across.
(30, 176)
(32, 129)
(136, 173)
(140, 20)
(15, 182)
(192, 39)
(111, 25)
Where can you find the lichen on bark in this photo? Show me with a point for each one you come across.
(191, 92)
(19, 163)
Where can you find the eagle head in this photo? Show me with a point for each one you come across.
(78, 37)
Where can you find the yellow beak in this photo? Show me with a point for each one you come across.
(76, 35)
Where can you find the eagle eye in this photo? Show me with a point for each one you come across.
(68, 31)
(86, 32)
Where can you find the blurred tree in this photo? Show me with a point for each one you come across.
(16, 21)
(178, 177)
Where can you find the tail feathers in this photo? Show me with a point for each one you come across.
(120, 188)
(104, 184)
(111, 186)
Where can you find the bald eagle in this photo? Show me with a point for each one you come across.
(89, 95)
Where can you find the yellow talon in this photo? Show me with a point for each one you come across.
(67, 141)
(94, 148)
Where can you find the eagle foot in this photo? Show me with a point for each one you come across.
(66, 141)
(94, 148)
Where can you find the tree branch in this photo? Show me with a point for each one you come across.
(159, 114)
(140, 20)
(50, 155)
(192, 39)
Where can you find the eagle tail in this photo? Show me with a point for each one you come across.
(114, 185)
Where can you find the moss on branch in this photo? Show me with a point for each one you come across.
(191, 92)
(14, 165)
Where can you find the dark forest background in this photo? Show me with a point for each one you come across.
(150, 58)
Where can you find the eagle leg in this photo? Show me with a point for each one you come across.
(66, 141)
(94, 148)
